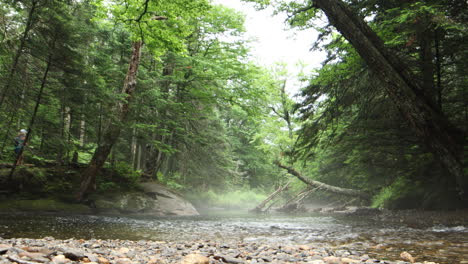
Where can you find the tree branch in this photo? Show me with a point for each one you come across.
(323, 186)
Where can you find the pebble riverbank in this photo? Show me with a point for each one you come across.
(55, 251)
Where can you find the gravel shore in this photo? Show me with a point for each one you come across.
(50, 250)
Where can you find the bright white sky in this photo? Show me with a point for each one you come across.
(276, 43)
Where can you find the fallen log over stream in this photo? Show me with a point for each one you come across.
(324, 186)
(260, 207)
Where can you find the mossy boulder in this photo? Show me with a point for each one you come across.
(130, 202)
(151, 199)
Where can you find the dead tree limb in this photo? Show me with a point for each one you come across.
(294, 203)
(259, 207)
(324, 186)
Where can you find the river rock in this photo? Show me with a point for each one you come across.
(34, 256)
(332, 260)
(349, 261)
(123, 261)
(124, 250)
(102, 260)
(195, 259)
(4, 248)
(92, 257)
(60, 259)
(169, 203)
(406, 257)
(73, 254)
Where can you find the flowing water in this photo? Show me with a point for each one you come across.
(441, 244)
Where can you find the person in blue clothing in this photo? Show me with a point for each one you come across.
(19, 144)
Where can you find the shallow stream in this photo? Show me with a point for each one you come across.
(441, 244)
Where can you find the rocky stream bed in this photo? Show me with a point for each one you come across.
(50, 250)
(392, 238)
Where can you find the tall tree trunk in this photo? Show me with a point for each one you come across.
(81, 137)
(65, 135)
(427, 66)
(99, 126)
(133, 147)
(19, 52)
(438, 67)
(154, 155)
(33, 117)
(112, 131)
(139, 156)
(428, 122)
(82, 130)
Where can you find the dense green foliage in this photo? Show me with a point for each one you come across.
(205, 119)
(354, 135)
(198, 106)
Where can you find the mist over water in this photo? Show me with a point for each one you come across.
(357, 235)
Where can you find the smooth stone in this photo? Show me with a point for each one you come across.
(349, 261)
(195, 259)
(60, 259)
(102, 260)
(406, 257)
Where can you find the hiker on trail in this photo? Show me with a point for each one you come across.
(19, 144)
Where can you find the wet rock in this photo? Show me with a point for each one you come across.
(406, 257)
(195, 259)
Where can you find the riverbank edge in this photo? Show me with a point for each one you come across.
(53, 189)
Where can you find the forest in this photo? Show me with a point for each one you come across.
(168, 91)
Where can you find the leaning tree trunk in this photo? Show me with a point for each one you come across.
(428, 122)
(34, 114)
(324, 186)
(112, 131)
